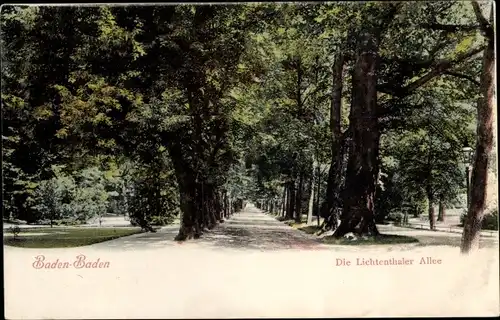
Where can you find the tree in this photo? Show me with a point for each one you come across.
(484, 142)
(366, 112)
(50, 206)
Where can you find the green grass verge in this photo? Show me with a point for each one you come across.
(310, 229)
(65, 237)
(381, 239)
(282, 219)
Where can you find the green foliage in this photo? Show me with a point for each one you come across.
(424, 159)
(72, 198)
(490, 220)
(52, 198)
(15, 231)
(112, 109)
(90, 198)
(380, 240)
(396, 217)
(153, 197)
(161, 220)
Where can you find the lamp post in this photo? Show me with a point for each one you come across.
(467, 153)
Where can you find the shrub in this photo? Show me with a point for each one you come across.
(490, 220)
(49, 196)
(161, 220)
(153, 198)
(73, 198)
(396, 217)
(15, 231)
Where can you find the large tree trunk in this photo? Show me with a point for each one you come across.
(201, 210)
(218, 206)
(298, 199)
(225, 202)
(189, 223)
(291, 200)
(335, 133)
(310, 208)
(484, 144)
(189, 191)
(285, 201)
(442, 209)
(213, 206)
(362, 169)
(432, 215)
(318, 196)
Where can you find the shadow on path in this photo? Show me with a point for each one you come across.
(249, 229)
(437, 238)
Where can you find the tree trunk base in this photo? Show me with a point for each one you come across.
(187, 233)
(184, 235)
(359, 224)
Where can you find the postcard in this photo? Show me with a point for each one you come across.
(249, 160)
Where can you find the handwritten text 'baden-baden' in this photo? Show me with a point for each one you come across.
(343, 262)
(81, 262)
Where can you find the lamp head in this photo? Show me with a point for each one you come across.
(467, 151)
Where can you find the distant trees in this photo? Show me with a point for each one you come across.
(72, 198)
(425, 157)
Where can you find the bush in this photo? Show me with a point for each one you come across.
(154, 198)
(396, 217)
(490, 220)
(71, 198)
(418, 208)
(49, 199)
(161, 220)
(15, 231)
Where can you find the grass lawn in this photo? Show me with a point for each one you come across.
(65, 237)
(381, 239)
(309, 229)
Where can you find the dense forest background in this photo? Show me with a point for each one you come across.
(356, 112)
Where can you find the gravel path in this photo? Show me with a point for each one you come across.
(247, 230)
(249, 266)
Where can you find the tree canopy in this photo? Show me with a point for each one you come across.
(157, 111)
